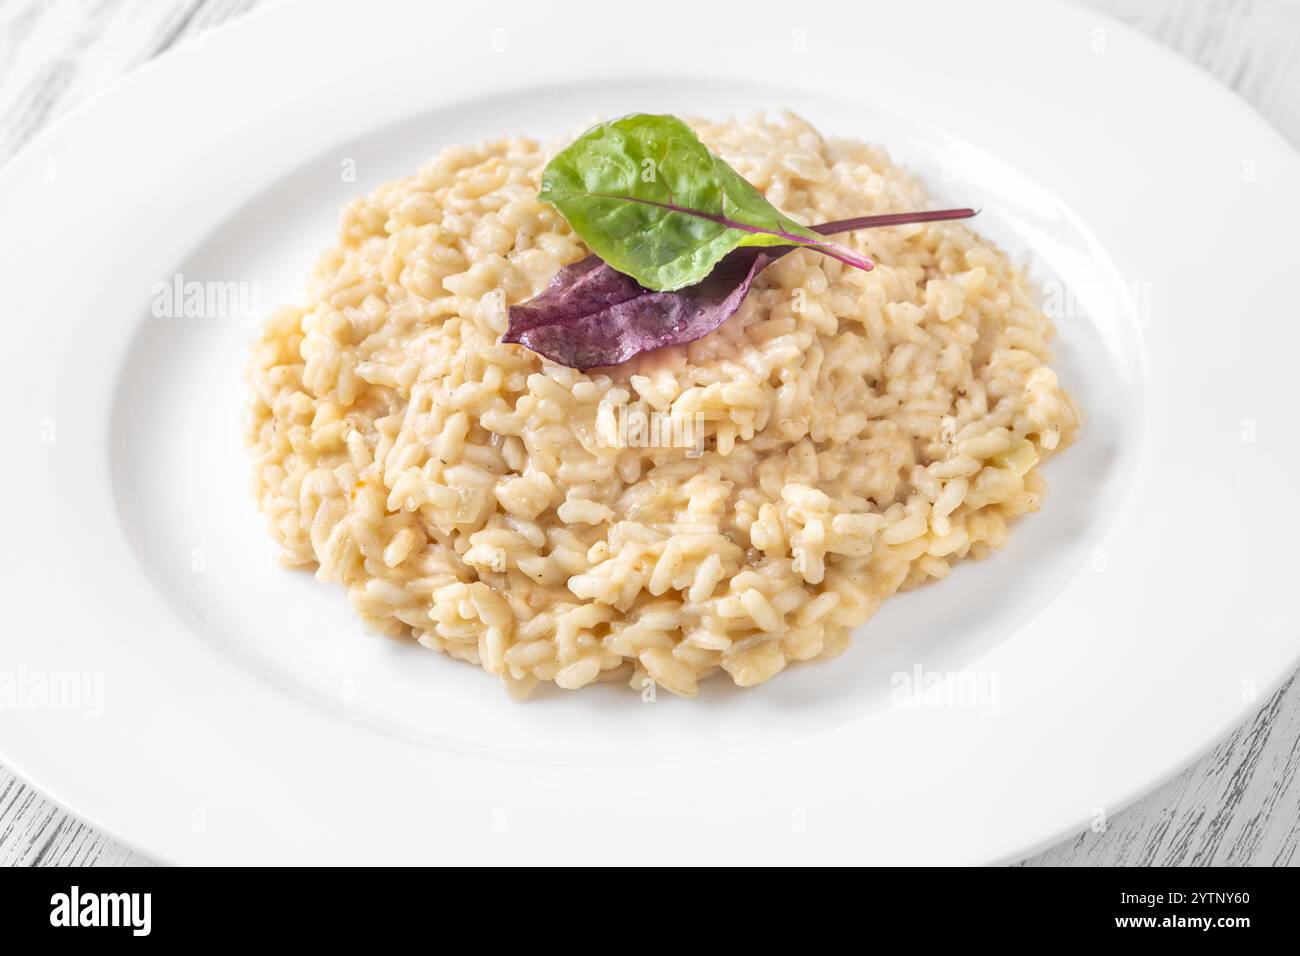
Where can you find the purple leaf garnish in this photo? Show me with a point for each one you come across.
(592, 315)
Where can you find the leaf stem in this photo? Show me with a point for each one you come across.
(892, 219)
(832, 249)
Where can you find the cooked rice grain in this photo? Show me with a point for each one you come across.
(863, 431)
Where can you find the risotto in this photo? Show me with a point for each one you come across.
(844, 435)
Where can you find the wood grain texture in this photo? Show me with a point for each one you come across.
(1238, 805)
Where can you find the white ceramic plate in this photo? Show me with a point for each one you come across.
(245, 717)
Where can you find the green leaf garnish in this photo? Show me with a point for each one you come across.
(650, 199)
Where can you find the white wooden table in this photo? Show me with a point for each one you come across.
(1238, 805)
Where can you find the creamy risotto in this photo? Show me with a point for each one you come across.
(844, 435)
